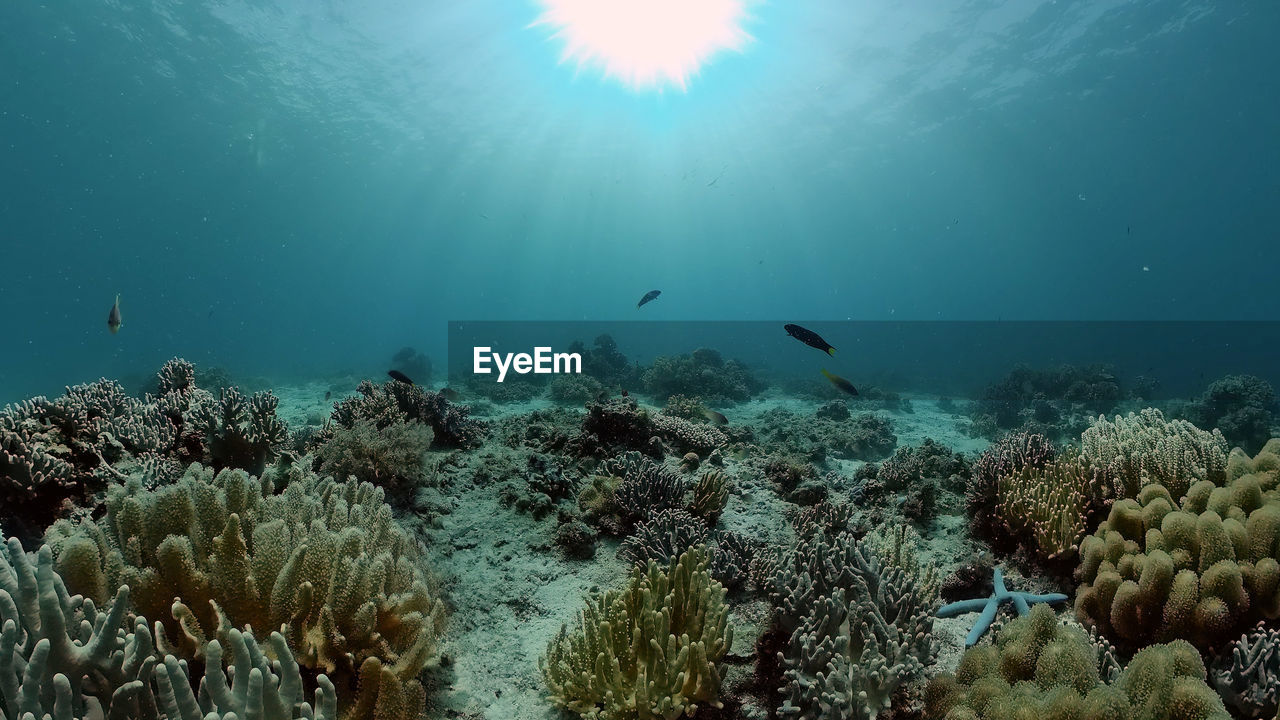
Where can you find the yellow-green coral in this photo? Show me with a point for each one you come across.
(1040, 668)
(323, 559)
(1201, 570)
(648, 651)
(1048, 509)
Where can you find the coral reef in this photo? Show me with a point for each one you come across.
(860, 437)
(61, 657)
(930, 460)
(241, 432)
(620, 424)
(662, 537)
(1048, 510)
(709, 496)
(391, 457)
(1247, 672)
(988, 607)
(859, 628)
(651, 650)
(1202, 569)
(1144, 448)
(1242, 407)
(1041, 668)
(325, 560)
(574, 389)
(395, 402)
(1057, 401)
(1009, 455)
(604, 362)
(702, 374)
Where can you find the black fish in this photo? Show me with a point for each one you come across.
(649, 297)
(399, 377)
(841, 383)
(328, 394)
(114, 322)
(810, 338)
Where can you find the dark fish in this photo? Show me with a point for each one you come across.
(810, 338)
(450, 394)
(649, 297)
(328, 394)
(841, 383)
(114, 322)
(715, 418)
(399, 377)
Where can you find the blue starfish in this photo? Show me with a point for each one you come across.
(990, 605)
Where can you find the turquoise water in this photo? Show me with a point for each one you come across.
(284, 188)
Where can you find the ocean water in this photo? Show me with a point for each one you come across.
(289, 192)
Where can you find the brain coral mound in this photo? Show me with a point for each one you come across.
(1040, 668)
(323, 559)
(1202, 570)
(651, 650)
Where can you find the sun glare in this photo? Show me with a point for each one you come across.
(645, 44)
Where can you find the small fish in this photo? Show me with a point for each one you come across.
(810, 338)
(649, 297)
(328, 394)
(399, 377)
(841, 383)
(715, 418)
(114, 323)
(450, 394)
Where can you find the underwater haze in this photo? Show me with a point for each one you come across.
(291, 187)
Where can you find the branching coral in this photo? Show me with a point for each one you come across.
(241, 432)
(709, 496)
(1009, 455)
(61, 657)
(1202, 570)
(860, 628)
(395, 402)
(324, 559)
(1040, 668)
(1247, 672)
(651, 650)
(1144, 448)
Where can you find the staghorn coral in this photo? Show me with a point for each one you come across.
(1040, 668)
(651, 650)
(1202, 569)
(241, 432)
(661, 538)
(1048, 510)
(323, 559)
(645, 487)
(1247, 672)
(1144, 448)
(394, 402)
(859, 628)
